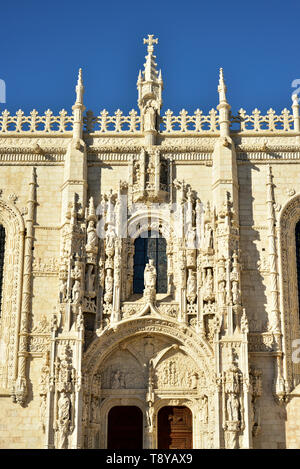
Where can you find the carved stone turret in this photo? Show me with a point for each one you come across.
(150, 87)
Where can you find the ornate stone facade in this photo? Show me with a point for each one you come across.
(215, 326)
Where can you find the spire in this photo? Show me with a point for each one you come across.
(223, 107)
(150, 87)
(150, 73)
(222, 87)
(79, 88)
(78, 108)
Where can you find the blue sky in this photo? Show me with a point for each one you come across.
(44, 43)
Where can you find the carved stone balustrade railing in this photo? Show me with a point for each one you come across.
(269, 122)
(35, 123)
(116, 123)
(198, 122)
(169, 123)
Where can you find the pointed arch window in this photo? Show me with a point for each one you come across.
(150, 245)
(2, 251)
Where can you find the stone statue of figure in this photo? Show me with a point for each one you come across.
(233, 407)
(208, 285)
(109, 281)
(208, 236)
(150, 282)
(191, 286)
(204, 409)
(191, 237)
(236, 297)
(91, 235)
(63, 417)
(110, 240)
(150, 415)
(150, 116)
(76, 291)
(222, 293)
(150, 275)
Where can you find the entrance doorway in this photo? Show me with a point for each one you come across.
(125, 428)
(174, 428)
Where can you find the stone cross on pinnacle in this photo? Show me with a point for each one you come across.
(150, 41)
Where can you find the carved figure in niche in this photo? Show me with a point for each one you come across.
(110, 240)
(204, 409)
(101, 272)
(232, 383)
(92, 238)
(208, 237)
(236, 297)
(208, 286)
(151, 173)
(94, 409)
(150, 116)
(80, 321)
(191, 237)
(222, 293)
(63, 417)
(63, 276)
(233, 407)
(191, 286)
(76, 275)
(76, 292)
(109, 281)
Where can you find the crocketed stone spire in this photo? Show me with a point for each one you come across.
(78, 108)
(223, 107)
(150, 73)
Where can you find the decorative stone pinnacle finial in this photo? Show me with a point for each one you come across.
(79, 87)
(150, 41)
(295, 99)
(222, 87)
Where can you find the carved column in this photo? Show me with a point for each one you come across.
(274, 325)
(20, 388)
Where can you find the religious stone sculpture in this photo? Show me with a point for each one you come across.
(150, 281)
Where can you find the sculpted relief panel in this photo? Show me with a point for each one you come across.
(121, 371)
(176, 370)
(129, 366)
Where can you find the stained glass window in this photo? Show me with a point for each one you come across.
(150, 245)
(2, 248)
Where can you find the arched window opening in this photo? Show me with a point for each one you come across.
(150, 245)
(2, 252)
(297, 235)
